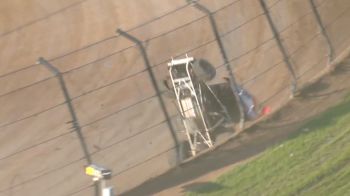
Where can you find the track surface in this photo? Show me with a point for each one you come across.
(122, 123)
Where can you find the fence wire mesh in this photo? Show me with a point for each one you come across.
(115, 100)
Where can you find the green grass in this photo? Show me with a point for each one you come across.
(316, 162)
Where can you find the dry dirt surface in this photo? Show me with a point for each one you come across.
(122, 123)
(312, 101)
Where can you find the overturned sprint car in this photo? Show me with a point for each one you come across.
(204, 107)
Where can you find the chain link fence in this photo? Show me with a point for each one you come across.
(117, 105)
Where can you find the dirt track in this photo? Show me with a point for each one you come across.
(123, 125)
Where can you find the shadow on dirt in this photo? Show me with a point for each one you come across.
(313, 91)
(314, 88)
(202, 187)
(342, 68)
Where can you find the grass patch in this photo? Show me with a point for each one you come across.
(316, 162)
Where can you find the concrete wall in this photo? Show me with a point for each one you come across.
(115, 102)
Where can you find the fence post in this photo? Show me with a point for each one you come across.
(232, 80)
(281, 47)
(156, 87)
(323, 31)
(75, 122)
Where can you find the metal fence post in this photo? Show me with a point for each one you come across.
(156, 87)
(323, 31)
(232, 80)
(75, 122)
(281, 47)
